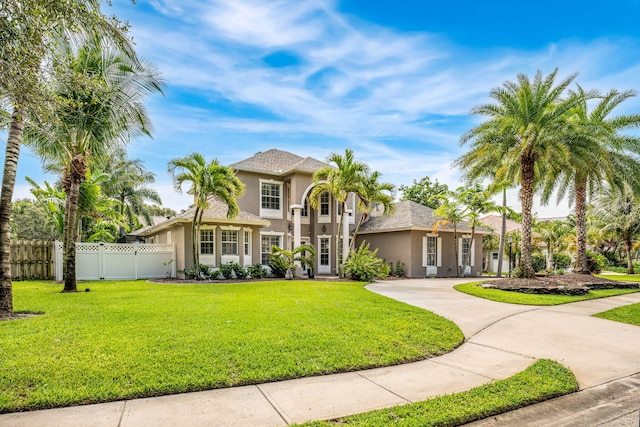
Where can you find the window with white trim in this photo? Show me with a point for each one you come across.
(324, 251)
(304, 212)
(324, 204)
(432, 251)
(229, 242)
(207, 241)
(464, 252)
(271, 199)
(267, 241)
(247, 243)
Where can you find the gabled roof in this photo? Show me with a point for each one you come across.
(215, 213)
(494, 222)
(409, 215)
(277, 162)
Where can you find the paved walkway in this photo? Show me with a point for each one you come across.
(502, 339)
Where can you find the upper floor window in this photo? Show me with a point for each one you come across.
(324, 204)
(305, 209)
(271, 199)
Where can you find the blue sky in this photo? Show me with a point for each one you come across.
(394, 81)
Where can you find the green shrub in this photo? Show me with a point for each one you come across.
(364, 265)
(279, 266)
(561, 261)
(227, 270)
(539, 263)
(239, 270)
(214, 274)
(191, 273)
(256, 271)
(399, 271)
(595, 262)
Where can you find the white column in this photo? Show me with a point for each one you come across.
(297, 233)
(345, 234)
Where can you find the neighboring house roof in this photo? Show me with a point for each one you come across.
(277, 162)
(409, 215)
(215, 213)
(494, 222)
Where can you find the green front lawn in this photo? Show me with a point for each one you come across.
(131, 339)
(626, 314)
(512, 297)
(621, 278)
(541, 381)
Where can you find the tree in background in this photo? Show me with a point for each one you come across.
(451, 212)
(371, 195)
(555, 236)
(30, 221)
(423, 191)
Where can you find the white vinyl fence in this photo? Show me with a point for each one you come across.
(120, 261)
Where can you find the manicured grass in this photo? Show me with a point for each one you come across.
(534, 299)
(621, 278)
(543, 380)
(131, 339)
(626, 314)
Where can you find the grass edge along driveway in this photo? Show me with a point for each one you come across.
(543, 380)
(124, 340)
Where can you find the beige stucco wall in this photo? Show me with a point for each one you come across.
(406, 246)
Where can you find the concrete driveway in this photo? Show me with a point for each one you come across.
(501, 340)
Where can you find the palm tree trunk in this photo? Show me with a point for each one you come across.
(194, 242)
(580, 186)
(467, 261)
(503, 232)
(339, 241)
(628, 245)
(355, 232)
(70, 232)
(14, 140)
(526, 197)
(455, 249)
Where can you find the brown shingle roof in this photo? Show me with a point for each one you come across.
(409, 215)
(215, 213)
(277, 162)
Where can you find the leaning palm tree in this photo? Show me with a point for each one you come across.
(346, 177)
(208, 179)
(478, 202)
(520, 141)
(372, 194)
(598, 153)
(101, 96)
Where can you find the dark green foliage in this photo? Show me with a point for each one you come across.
(279, 266)
(363, 265)
(213, 274)
(539, 263)
(192, 272)
(595, 262)
(227, 270)
(30, 221)
(423, 192)
(256, 271)
(561, 261)
(399, 271)
(239, 271)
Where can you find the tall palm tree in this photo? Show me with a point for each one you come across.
(29, 34)
(339, 181)
(521, 141)
(619, 211)
(598, 153)
(371, 194)
(207, 180)
(102, 93)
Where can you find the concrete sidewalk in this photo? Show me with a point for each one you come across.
(502, 340)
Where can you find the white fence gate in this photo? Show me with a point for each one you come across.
(120, 261)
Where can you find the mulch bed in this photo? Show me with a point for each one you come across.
(565, 284)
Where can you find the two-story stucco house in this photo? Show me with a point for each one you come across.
(275, 210)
